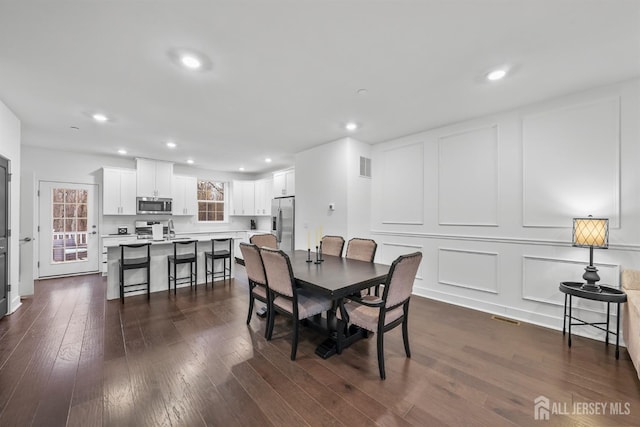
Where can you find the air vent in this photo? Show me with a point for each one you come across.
(506, 320)
(365, 167)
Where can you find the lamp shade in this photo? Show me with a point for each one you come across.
(591, 232)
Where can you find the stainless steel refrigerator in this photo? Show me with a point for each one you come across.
(283, 222)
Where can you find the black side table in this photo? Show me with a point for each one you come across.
(606, 294)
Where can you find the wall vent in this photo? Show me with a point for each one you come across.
(506, 320)
(365, 167)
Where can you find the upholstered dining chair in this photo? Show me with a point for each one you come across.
(363, 250)
(264, 240)
(285, 298)
(386, 312)
(332, 245)
(257, 279)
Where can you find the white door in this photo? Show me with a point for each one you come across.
(68, 229)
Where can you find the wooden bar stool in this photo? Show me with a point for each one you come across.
(183, 256)
(132, 262)
(224, 253)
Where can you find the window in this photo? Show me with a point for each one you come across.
(211, 199)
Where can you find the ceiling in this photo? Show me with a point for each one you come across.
(284, 75)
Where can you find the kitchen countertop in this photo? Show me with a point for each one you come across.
(192, 232)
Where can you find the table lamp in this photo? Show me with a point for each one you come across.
(592, 233)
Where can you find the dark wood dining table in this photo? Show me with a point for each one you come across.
(337, 278)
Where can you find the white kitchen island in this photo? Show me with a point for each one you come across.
(159, 252)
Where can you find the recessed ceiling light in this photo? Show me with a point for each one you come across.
(75, 127)
(351, 126)
(496, 75)
(171, 144)
(241, 169)
(190, 161)
(191, 61)
(121, 151)
(268, 160)
(362, 91)
(99, 117)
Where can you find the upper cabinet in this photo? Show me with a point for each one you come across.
(242, 198)
(154, 178)
(284, 183)
(118, 191)
(263, 196)
(185, 195)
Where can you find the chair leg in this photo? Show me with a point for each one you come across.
(195, 273)
(270, 319)
(175, 278)
(250, 307)
(405, 334)
(121, 276)
(294, 342)
(168, 275)
(148, 283)
(381, 354)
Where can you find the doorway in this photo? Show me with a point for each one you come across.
(68, 231)
(4, 236)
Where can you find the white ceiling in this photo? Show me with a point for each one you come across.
(285, 74)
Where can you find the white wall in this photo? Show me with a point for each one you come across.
(490, 202)
(330, 174)
(10, 149)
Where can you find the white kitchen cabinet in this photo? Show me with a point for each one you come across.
(242, 198)
(118, 191)
(154, 178)
(284, 183)
(263, 196)
(185, 195)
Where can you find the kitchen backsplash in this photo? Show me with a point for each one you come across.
(182, 224)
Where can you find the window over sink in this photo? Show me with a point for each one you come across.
(211, 200)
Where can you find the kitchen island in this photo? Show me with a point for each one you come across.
(159, 252)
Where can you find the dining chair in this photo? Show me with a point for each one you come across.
(266, 240)
(285, 298)
(257, 279)
(383, 313)
(188, 254)
(332, 245)
(363, 250)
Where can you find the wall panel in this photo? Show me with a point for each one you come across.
(468, 178)
(468, 269)
(571, 164)
(403, 185)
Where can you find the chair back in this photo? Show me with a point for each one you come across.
(225, 244)
(136, 250)
(185, 247)
(253, 263)
(264, 241)
(277, 268)
(361, 249)
(400, 280)
(332, 245)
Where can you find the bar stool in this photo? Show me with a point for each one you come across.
(182, 257)
(133, 263)
(224, 254)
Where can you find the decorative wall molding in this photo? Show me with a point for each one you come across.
(481, 268)
(403, 165)
(410, 248)
(474, 151)
(571, 163)
(556, 270)
(489, 239)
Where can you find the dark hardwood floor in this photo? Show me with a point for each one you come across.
(69, 357)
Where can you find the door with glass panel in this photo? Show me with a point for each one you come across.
(68, 229)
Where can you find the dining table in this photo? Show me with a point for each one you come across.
(337, 278)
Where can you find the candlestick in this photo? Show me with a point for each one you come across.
(309, 255)
(317, 261)
(320, 252)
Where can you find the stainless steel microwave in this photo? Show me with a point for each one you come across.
(151, 205)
